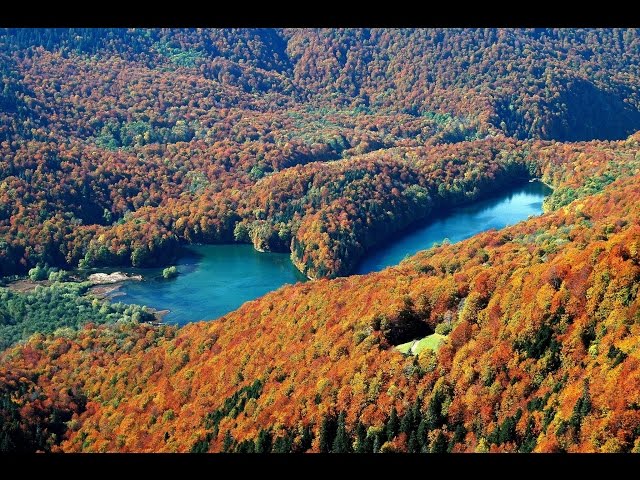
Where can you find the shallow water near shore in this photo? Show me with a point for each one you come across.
(212, 280)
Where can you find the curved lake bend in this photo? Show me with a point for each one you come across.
(213, 280)
(459, 223)
(217, 279)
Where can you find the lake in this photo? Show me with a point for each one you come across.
(213, 280)
(459, 223)
(216, 279)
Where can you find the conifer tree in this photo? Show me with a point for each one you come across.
(307, 439)
(392, 424)
(412, 445)
(327, 433)
(342, 443)
(227, 443)
(422, 432)
(440, 443)
(263, 442)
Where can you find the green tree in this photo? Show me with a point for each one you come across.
(38, 273)
(241, 233)
(439, 444)
(412, 445)
(581, 409)
(342, 443)
(327, 433)
(227, 443)
(283, 444)
(170, 272)
(392, 424)
(376, 443)
(264, 442)
(58, 276)
(246, 446)
(458, 435)
(423, 430)
(406, 424)
(361, 436)
(139, 256)
(307, 439)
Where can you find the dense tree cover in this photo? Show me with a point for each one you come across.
(58, 307)
(32, 419)
(543, 315)
(39, 425)
(117, 145)
(555, 83)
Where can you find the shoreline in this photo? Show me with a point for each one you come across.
(104, 287)
(159, 314)
(110, 291)
(112, 278)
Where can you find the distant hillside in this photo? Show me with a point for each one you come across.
(562, 84)
(118, 145)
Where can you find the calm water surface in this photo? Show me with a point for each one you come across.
(459, 223)
(217, 279)
(213, 280)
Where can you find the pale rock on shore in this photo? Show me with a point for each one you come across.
(115, 277)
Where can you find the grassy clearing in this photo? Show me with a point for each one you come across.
(405, 347)
(414, 347)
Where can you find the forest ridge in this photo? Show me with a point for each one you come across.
(118, 146)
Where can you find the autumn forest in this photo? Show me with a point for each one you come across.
(121, 147)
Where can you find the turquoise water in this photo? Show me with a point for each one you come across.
(459, 223)
(213, 280)
(217, 279)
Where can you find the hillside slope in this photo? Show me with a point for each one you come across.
(541, 322)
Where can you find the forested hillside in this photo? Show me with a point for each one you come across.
(118, 146)
(539, 352)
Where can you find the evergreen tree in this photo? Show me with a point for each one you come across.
(307, 439)
(507, 431)
(246, 446)
(581, 409)
(423, 430)
(342, 443)
(376, 443)
(530, 438)
(440, 444)
(585, 404)
(406, 424)
(392, 424)
(327, 433)
(263, 442)
(361, 435)
(283, 444)
(434, 411)
(227, 443)
(458, 435)
(201, 446)
(413, 446)
(417, 412)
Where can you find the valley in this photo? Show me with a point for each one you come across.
(358, 240)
